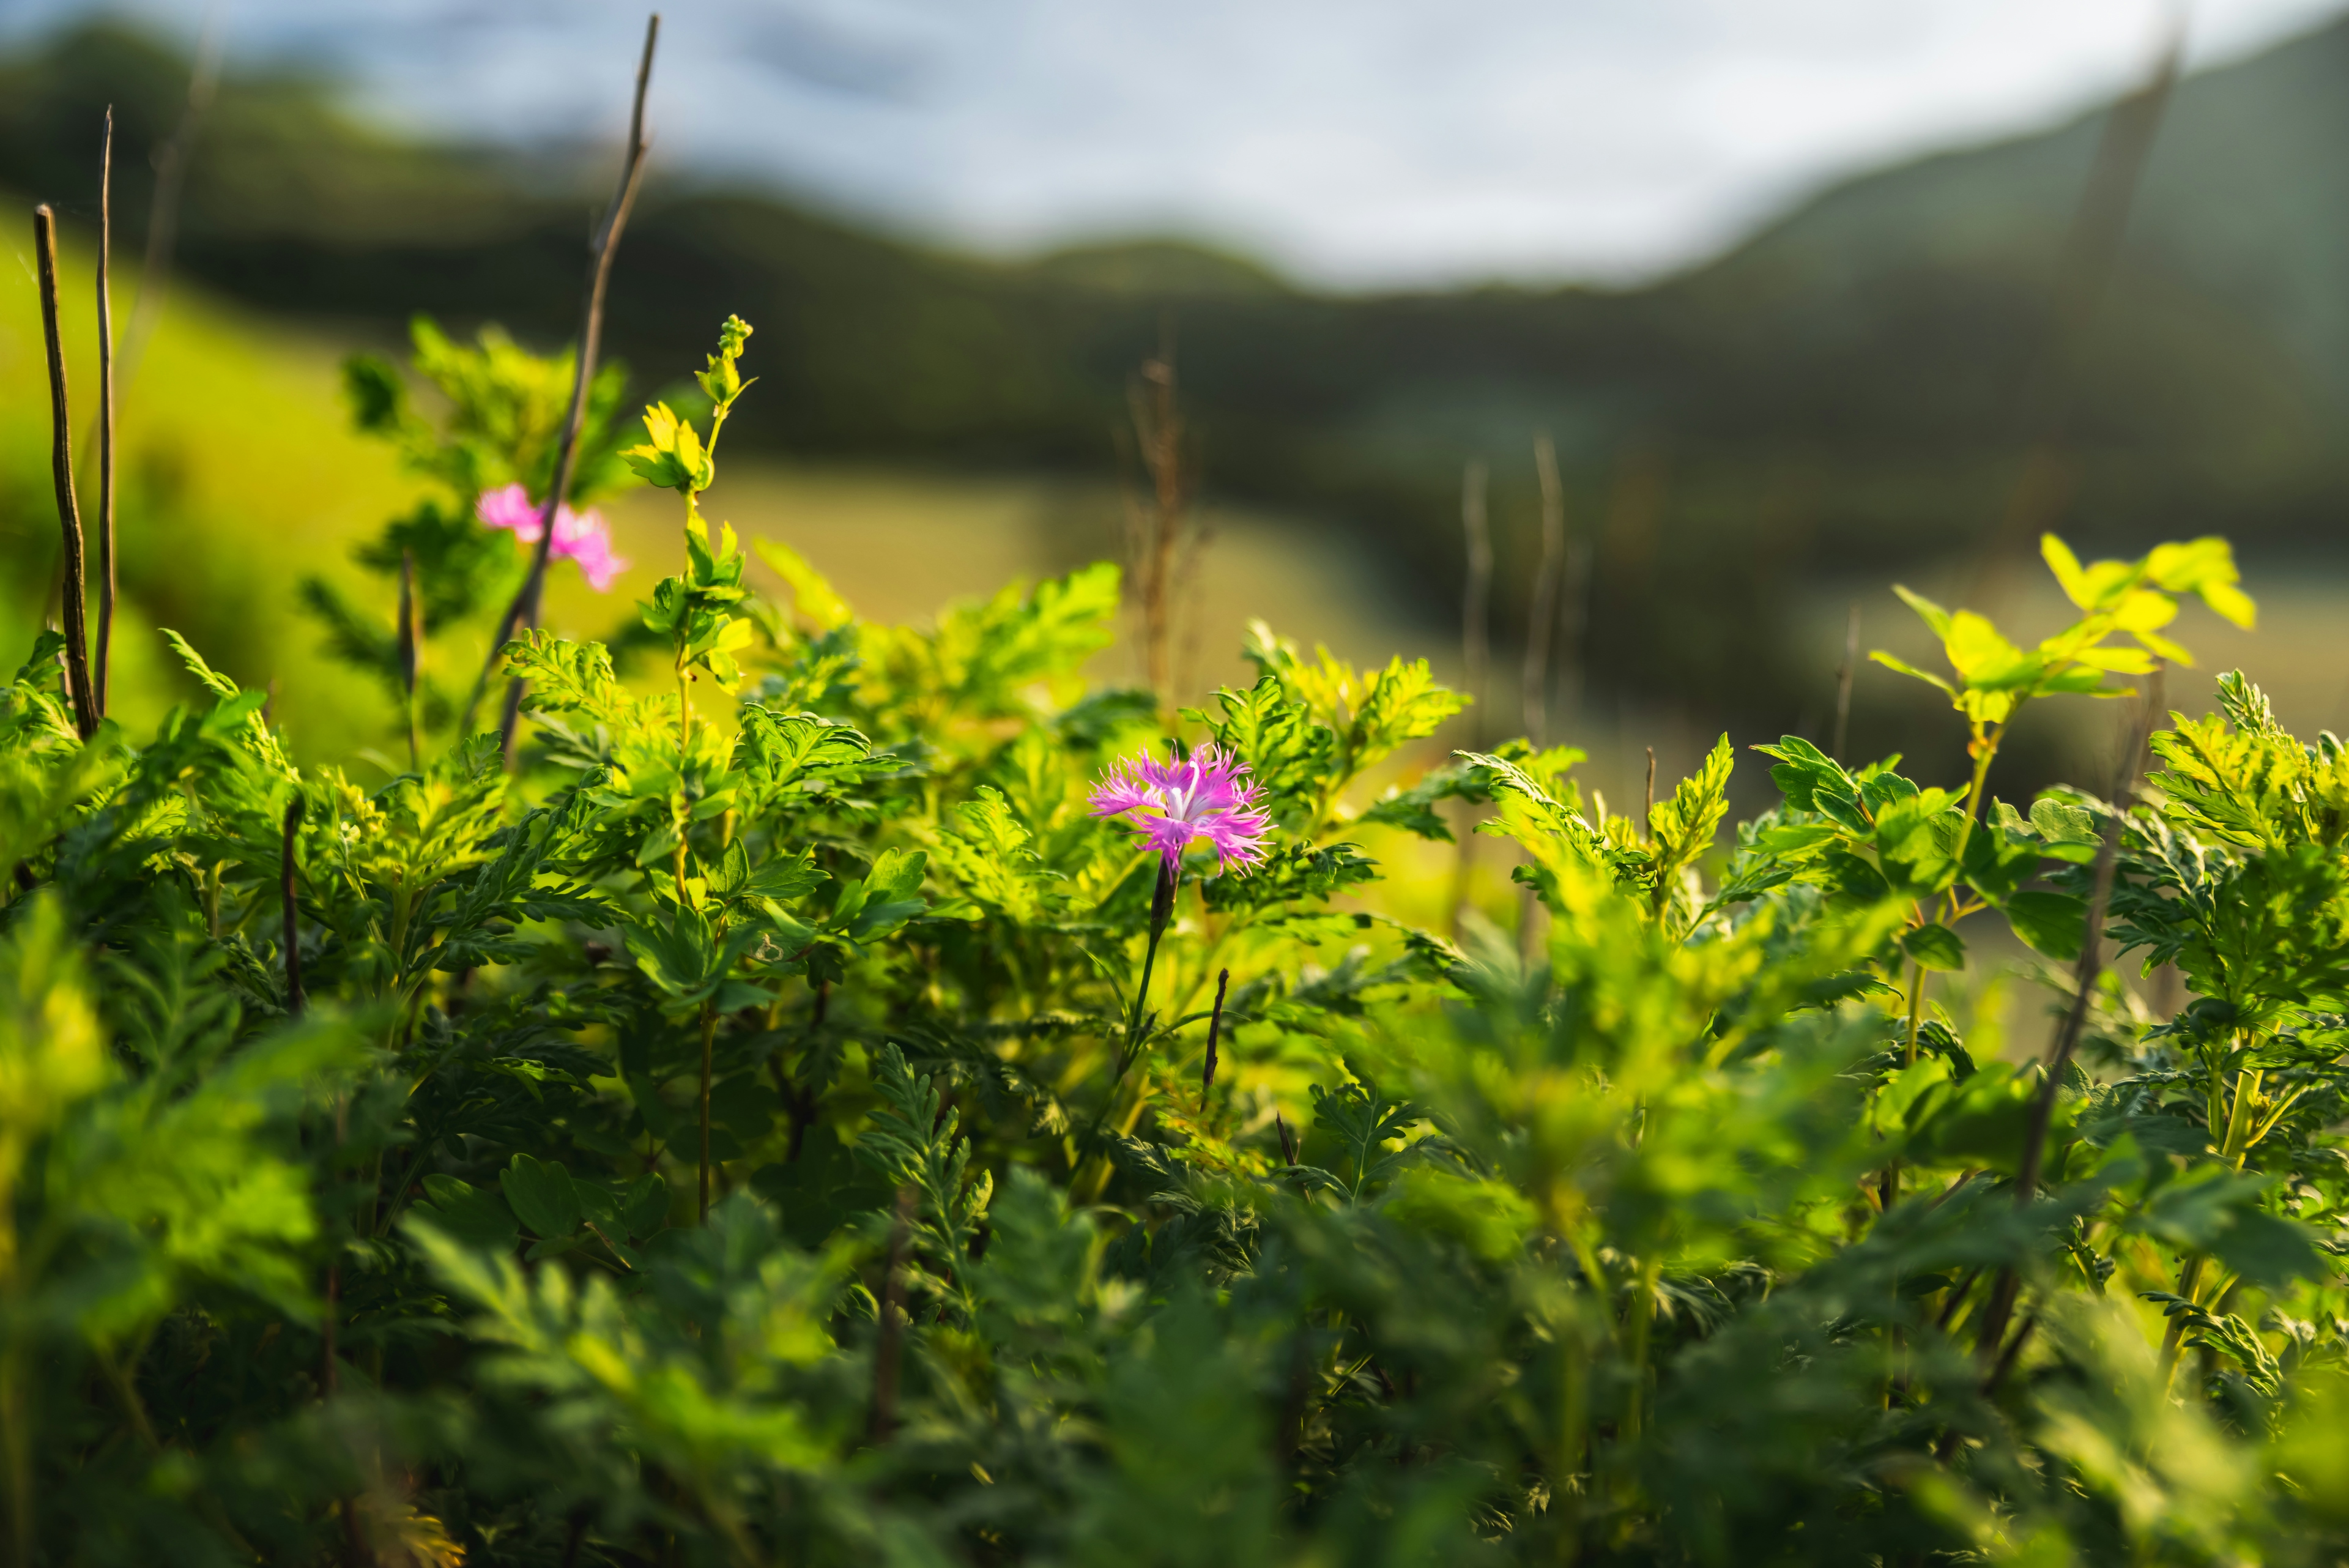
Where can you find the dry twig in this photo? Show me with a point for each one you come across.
(1547, 581)
(2001, 1304)
(522, 614)
(78, 682)
(104, 664)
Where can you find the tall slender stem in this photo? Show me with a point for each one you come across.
(411, 650)
(523, 613)
(1535, 698)
(1843, 674)
(1889, 1188)
(1476, 598)
(1162, 909)
(78, 684)
(709, 1039)
(1475, 654)
(889, 1342)
(295, 1002)
(1214, 1030)
(2001, 1303)
(105, 661)
(164, 212)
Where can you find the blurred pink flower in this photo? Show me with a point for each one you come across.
(580, 536)
(1172, 804)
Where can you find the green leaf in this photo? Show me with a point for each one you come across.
(645, 1209)
(1934, 947)
(2051, 924)
(542, 1195)
(2269, 1252)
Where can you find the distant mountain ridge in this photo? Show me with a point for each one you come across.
(1838, 392)
(2245, 196)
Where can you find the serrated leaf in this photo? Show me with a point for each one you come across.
(1934, 947)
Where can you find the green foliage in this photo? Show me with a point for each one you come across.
(502, 412)
(781, 1131)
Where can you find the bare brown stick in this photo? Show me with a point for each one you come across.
(1155, 529)
(163, 213)
(523, 613)
(105, 662)
(1573, 616)
(78, 686)
(1844, 674)
(889, 1344)
(411, 647)
(1476, 602)
(295, 1002)
(2001, 1303)
(1476, 652)
(1543, 611)
(2046, 405)
(1214, 1029)
(2009, 1356)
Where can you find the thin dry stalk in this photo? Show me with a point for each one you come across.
(1648, 812)
(1573, 616)
(105, 663)
(1541, 621)
(1844, 674)
(2049, 399)
(163, 213)
(2001, 1304)
(1476, 600)
(1476, 651)
(523, 613)
(77, 683)
(1156, 529)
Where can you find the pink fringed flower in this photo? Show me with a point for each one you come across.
(579, 536)
(1172, 804)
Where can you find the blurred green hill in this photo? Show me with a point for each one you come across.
(1853, 390)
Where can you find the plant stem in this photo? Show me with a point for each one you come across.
(522, 612)
(411, 650)
(889, 1344)
(709, 1038)
(2001, 1303)
(1985, 750)
(77, 683)
(1843, 682)
(1639, 1314)
(1534, 699)
(1888, 1189)
(2234, 1147)
(1214, 1028)
(105, 661)
(163, 213)
(295, 1002)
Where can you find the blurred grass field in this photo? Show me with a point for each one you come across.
(240, 474)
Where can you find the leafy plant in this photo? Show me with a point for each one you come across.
(774, 1126)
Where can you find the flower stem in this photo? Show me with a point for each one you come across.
(1161, 909)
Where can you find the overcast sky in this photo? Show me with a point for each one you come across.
(1350, 141)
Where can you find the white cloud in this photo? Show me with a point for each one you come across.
(1360, 141)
